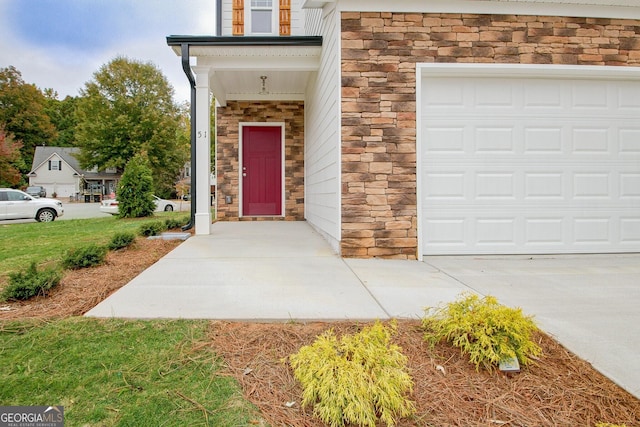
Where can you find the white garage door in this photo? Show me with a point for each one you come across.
(524, 165)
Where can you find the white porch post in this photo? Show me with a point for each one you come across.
(203, 152)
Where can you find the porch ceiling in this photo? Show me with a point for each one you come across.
(236, 65)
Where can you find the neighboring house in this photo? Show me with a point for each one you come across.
(58, 170)
(410, 128)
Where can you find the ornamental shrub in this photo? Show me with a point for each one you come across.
(32, 282)
(135, 189)
(483, 329)
(152, 228)
(357, 379)
(121, 240)
(172, 223)
(84, 257)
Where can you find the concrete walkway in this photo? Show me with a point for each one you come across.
(278, 271)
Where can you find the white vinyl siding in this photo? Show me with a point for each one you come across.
(322, 138)
(530, 164)
(312, 21)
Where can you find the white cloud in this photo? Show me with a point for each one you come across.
(66, 69)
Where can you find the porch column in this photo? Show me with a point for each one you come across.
(203, 152)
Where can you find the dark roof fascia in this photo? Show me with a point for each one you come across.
(244, 41)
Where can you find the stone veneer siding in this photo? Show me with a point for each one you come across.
(227, 146)
(379, 56)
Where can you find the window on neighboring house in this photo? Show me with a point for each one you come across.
(55, 165)
(262, 17)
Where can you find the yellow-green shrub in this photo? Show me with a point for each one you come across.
(609, 425)
(356, 379)
(485, 330)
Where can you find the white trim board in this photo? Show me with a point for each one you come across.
(622, 9)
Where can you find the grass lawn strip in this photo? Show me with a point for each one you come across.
(116, 372)
(46, 243)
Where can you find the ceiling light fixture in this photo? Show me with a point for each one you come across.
(264, 91)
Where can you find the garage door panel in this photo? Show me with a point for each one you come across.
(590, 95)
(446, 232)
(531, 137)
(542, 140)
(495, 185)
(591, 140)
(628, 97)
(546, 185)
(589, 185)
(630, 231)
(590, 231)
(445, 139)
(491, 234)
(539, 94)
(629, 141)
(495, 231)
(630, 186)
(546, 166)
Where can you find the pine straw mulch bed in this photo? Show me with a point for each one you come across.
(81, 290)
(560, 390)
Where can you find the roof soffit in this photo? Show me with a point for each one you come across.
(235, 71)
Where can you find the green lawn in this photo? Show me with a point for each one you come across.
(120, 373)
(43, 243)
(109, 372)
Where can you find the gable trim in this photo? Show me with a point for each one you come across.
(45, 162)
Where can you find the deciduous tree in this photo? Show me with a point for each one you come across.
(22, 111)
(62, 114)
(127, 109)
(10, 160)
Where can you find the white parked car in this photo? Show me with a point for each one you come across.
(16, 204)
(110, 206)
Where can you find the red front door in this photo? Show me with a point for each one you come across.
(261, 170)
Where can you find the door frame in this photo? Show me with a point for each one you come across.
(241, 160)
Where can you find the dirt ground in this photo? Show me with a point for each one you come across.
(558, 390)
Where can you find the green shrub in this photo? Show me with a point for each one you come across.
(172, 223)
(152, 228)
(87, 256)
(121, 240)
(485, 330)
(135, 189)
(24, 285)
(358, 379)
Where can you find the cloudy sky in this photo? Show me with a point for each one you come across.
(59, 44)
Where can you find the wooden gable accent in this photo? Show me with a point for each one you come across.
(285, 17)
(238, 17)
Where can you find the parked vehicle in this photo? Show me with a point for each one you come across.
(110, 206)
(16, 204)
(36, 191)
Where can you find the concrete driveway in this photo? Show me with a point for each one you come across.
(278, 271)
(590, 303)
